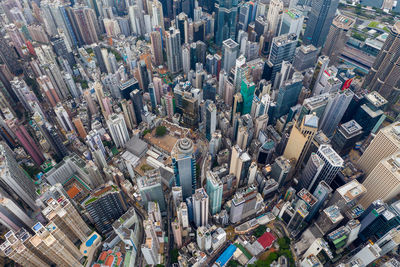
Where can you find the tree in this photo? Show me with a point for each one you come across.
(284, 243)
(146, 132)
(174, 255)
(161, 131)
(233, 263)
(260, 230)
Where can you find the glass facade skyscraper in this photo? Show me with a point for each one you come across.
(184, 166)
(226, 20)
(319, 21)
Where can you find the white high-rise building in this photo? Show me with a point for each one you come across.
(117, 127)
(63, 118)
(200, 207)
(274, 15)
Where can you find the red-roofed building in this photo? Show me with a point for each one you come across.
(96, 265)
(109, 261)
(103, 256)
(266, 240)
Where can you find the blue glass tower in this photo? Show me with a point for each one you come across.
(226, 20)
(319, 21)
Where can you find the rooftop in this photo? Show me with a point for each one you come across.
(351, 190)
(308, 198)
(333, 213)
(330, 154)
(343, 22)
(351, 127)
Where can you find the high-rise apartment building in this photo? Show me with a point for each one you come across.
(174, 51)
(200, 207)
(183, 163)
(14, 179)
(246, 202)
(104, 206)
(385, 143)
(319, 20)
(156, 48)
(27, 142)
(119, 132)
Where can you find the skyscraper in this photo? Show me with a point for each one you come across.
(156, 48)
(283, 48)
(346, 137)
(274, 15)
(383, 76)
(239, 165)
(226, 20)
(211, 119)
(26, 141)
(105, 206)
(292, 22)
(14, 179)
(333, 163)
(288, 94)
(385, 143)
(200, 207)
(319, 20)
(230, 51)
(311, 171)
(174, 51)
(214, 190)
(247, 89)
(119, 132)
(150, 189)
(300, 139)
(383, 182)
(183, 163)
(337, 37)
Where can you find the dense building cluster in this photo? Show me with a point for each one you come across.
(199, 133)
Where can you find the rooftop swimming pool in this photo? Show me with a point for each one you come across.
(91, 240)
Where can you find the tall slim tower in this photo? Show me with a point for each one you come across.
(337, 37)
(385, 143)
(334, 111)
(119, 132)
(226, 20)
(214, 190)
(384, 73)
(200, 207)
(183, 162)
(174, 51)
(156, 48)
(301, 138)
(274, 14)
(14, 179)
(319, 21)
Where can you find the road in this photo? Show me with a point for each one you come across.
(170, 237)
(142, 215)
